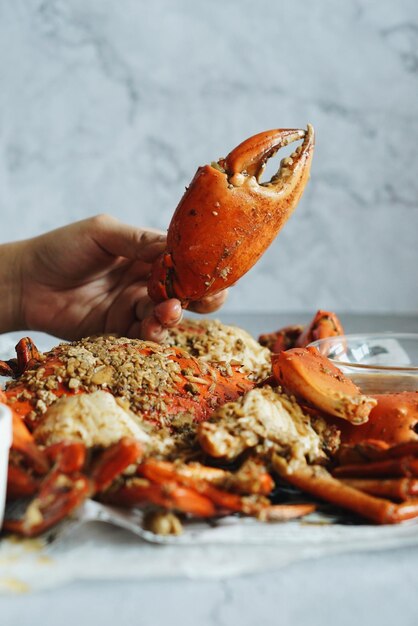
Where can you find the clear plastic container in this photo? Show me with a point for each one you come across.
(377, 363)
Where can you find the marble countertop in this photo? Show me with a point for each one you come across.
(371, 587)
(111, 106)
(377, 589)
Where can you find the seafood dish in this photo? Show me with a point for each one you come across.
(211, 422)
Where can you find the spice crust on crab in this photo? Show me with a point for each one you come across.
(267, 420)
(215, 342)
(159, 383)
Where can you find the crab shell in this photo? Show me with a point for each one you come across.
(196, 388)
(394, 420)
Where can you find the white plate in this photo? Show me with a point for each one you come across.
(5, 443)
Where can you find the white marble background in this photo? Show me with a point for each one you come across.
(109, 106)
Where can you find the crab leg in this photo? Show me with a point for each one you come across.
(282, 339)
(169, 495)
(162, 471)
(20, 483)
(23, 442)
(407, 448)
(7, 368)
(67, 456)
(65, 488)
(394, 489)
(371, 450)
(405, 466)
(318, 482)
(252, 477)
(324, 324)
(167, 487)
(115, 460)
(26, 459)
(60, 494)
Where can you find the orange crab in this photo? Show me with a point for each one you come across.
(161, 393)
(371, 477)
(160, 380)
(324, 324)
(374, 470)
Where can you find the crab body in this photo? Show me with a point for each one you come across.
(156, 382)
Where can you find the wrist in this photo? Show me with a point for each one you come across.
(11, 256)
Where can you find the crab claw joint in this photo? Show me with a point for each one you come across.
(227, 218)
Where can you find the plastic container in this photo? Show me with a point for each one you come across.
(377, 363)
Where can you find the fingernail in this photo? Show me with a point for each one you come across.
(173, 321)
(176, 313)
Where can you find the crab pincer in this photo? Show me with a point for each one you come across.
(227, 218)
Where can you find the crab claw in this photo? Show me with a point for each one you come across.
(315, 380)
(227, 218)
(27, 354)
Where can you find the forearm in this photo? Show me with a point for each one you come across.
(11, 255)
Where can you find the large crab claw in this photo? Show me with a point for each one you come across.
(227, 218)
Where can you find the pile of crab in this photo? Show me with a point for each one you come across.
(212, 423)
(209, 424)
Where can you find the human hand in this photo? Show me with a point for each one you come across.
(91, 277)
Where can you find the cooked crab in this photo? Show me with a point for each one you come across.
(100, 394)
(215, 342)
